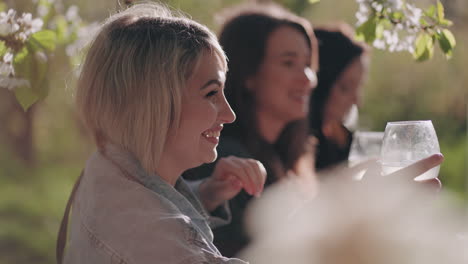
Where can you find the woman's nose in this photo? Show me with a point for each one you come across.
(309, 78)
(356, 97)
(226, 114)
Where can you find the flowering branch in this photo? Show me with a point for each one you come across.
(397, 25)
(26, 45)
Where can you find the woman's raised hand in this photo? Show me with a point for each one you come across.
(230, 176)
(410, 172)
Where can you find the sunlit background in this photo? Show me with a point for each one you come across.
(43, 150)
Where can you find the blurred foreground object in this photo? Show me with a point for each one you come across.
(366, 222)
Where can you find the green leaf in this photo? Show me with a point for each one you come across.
(446, 22)
(314, 1)
(424, 47)
(440, 11)
(396, 15)
(379, 29)
(25, 96)
(62, 29)
(423, 22)
(3, 48)
(44, 39)
(430, 11)
(20, 56)
(39, 68)
(367, 31)
(33, 68)
(3, 7)
(447, 42)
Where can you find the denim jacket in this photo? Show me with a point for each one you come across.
(117, 220)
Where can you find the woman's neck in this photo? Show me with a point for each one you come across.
(335, 132)
(269, 127)
(168, 170)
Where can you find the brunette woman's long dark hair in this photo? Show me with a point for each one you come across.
(337, 50)
(244, 39)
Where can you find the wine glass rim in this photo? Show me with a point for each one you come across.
(409, 122)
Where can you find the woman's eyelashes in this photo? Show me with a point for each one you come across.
(288, 63)
(295, 64)
(211, 93)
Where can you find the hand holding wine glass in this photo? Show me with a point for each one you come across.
(407, 142)
(410, 152)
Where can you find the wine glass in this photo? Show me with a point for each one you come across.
(406, 142)
(365, 145)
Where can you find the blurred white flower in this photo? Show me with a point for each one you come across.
(11, 83)
(8, 57)
(401, 33)
(8, 24)
(18, 29)
(362, 15)
(361, 223)
(29, 25)
(379, 44)
(40, 56)
(6, 69)
(408, 41)
(42, 10)
(72, 13)
(22, 36)
(395, 4)
(391, 39)
(413, 14)
(377, 6)
(8, 15)
(84, 35)
(6, 65)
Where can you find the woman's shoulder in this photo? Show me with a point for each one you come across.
(120, 214)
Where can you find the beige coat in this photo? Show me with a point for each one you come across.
(117, 220)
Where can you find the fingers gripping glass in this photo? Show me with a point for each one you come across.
(407, 142)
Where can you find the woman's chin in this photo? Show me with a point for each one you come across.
(211, 158)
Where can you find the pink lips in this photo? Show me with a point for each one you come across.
(212, 135)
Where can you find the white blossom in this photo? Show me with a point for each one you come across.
(30, 25)
(42, 10)
(6, 69)
(379, 44)
(400, 34)
(84, 34)
(363, 14)
(41, 56)
(8, 24)
(6, 65)
(391, 39)
(377, 6)
(8, 57)
(413, 14)
(11, 83)
(19, 28)
(395, 4)
(72, 13)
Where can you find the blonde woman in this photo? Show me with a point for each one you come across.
(151, 94)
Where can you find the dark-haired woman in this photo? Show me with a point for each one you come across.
(343, 67)
(272, 63)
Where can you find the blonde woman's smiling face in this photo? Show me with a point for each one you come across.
(203, 113)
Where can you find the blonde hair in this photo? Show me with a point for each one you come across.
(131, 83)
